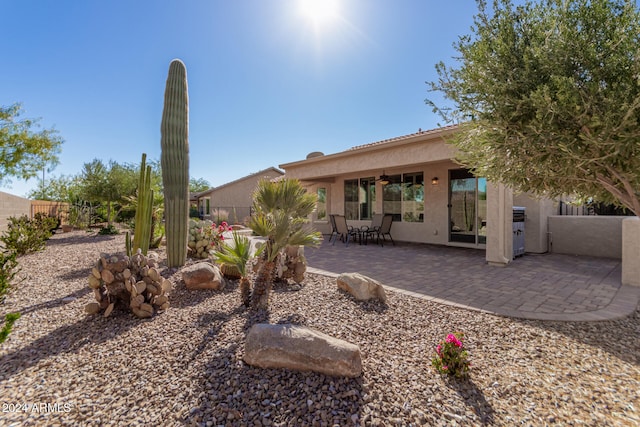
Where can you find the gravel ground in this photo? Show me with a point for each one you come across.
(184, 367)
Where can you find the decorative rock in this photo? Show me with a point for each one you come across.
(202, 275)
(301, 348)
(361, 287)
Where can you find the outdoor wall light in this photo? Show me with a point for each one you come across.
(434, 180)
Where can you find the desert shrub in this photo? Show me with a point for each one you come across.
(24, 236)
(9, 320)
(108, 230)
(8, 271)
(46, 222)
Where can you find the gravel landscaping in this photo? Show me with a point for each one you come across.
(60, 366)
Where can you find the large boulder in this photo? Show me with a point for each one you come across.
(363, 288)
(302, 349)
(202, 275)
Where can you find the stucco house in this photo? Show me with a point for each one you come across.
(432, 198)
(231, 201)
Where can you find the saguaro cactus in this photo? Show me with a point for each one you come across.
(175, 163)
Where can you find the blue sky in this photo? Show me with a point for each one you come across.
(267, 85)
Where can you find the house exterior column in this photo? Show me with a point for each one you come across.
(631, 251)
(499, 251)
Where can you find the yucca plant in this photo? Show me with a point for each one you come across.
(282, 209)
(238, 254)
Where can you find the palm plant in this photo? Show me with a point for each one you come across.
(238, 255)
(282, 209)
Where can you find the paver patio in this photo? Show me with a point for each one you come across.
(534, 286)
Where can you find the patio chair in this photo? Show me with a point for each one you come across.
(371, 230)
(385, 230)
(343, 230)
(334, 230)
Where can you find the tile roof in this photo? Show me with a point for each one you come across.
(399, 138)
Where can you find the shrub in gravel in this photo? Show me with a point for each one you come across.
(8, 270)
(46, 222)
(24, 235)
(109, 230)
(451, 356)
(9, 320)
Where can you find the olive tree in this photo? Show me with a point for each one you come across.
(547, 97)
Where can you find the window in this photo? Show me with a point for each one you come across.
(205, 206)
(321, 208)
(392, 197)
(413, 197)
(351, 199)
(403, 197)
(367, 197)
(359, 198)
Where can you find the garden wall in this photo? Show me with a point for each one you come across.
(599, 236)
(11, 205)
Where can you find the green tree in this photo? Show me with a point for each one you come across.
(281, 215)
(547, 97)
(107, 184)
(197, 185)
(64, 188)
(25, 151)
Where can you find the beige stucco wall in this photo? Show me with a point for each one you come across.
(413, 151)
(499, 250)
(236, 196)
(586, 235)
(11, 205)
(631, 251)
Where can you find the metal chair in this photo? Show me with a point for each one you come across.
(343, 230)
(385, 230)
(334, 230)
(368, 231)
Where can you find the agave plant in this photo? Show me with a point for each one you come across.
(281, 215)
(237, 254)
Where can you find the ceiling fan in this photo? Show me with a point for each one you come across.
(384, 179)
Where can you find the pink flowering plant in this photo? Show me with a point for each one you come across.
(214, 234)
(206, 236)
(451, 356)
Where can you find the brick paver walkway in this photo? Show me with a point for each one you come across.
(545, 287)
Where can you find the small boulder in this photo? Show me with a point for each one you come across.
(202, 275)
(302, 349)
(361, 287)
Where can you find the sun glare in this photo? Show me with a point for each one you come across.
(319, 11)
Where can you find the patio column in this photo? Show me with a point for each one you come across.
(499, 250)
(631, 251)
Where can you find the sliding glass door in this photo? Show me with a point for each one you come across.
(467, 207)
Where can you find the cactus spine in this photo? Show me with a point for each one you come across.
(144, 209)
(175, 163)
